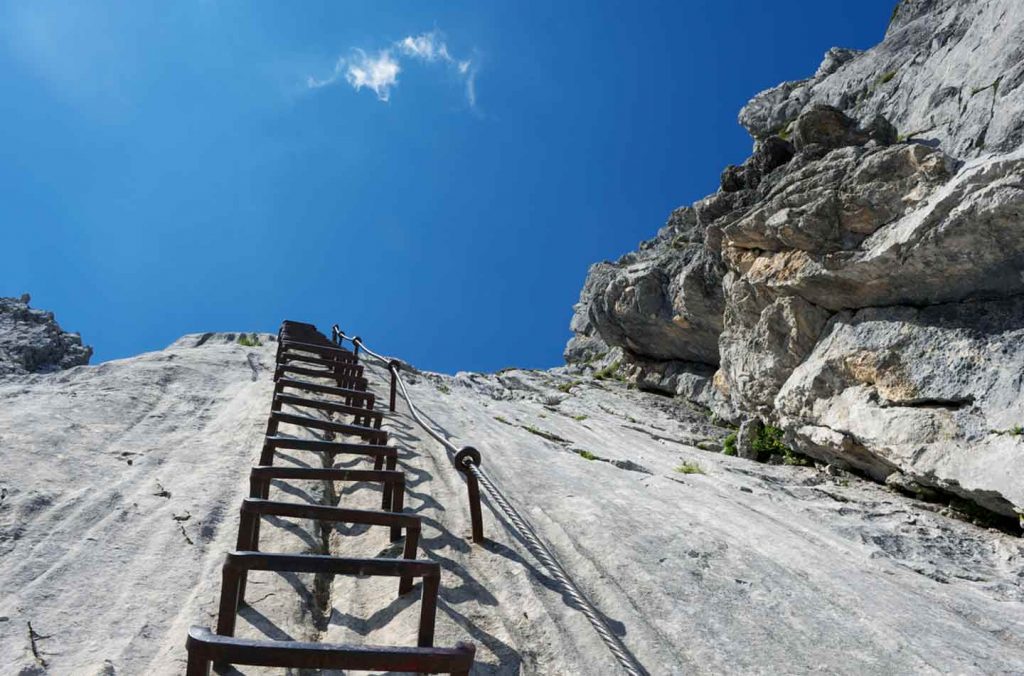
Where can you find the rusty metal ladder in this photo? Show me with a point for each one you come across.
(303, 351)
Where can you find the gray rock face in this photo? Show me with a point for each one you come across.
(663, 302)
(948, 72)
(934, 392)
(31, 341)
(120, 486)
(864, 268)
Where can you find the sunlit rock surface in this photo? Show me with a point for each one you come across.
(890, 186)
(121, 484)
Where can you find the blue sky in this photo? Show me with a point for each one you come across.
(176, 167)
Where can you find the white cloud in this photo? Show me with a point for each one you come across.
(314, 83)
(380, 73)
(428, 46)
(470, 85)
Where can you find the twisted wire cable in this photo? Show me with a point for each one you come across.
(511, 517)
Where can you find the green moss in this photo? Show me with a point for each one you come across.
(689, 468)
(444, 389)
(251, 340)
(502, 419)
(586, 455)
(579, 417)
(550, 436)
(994, 86)
(729, 444)
(886, 77)
(794, 458)
(565, 387)
(609, 372)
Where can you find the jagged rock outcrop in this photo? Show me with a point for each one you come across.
(31, 341)
(949, 72)
(865, 262)
(660, 305)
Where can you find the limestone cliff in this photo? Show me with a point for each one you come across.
(858, 280)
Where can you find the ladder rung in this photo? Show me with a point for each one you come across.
(321, 424)
(204, 647)
(361, 395)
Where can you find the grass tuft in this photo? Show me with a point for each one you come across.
(249, 340)
(550, 436)
(729, 444)
(565, 387)
(688, 467)
(610, 372)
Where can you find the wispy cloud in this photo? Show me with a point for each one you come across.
(379, 73)
(470, 73)
(428, 46)
(315, 83)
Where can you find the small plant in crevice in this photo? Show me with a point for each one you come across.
(586, 455)
(550, 436)
(729, 444)
(610, 372)
(444, 389)
(502, 419)
(565, 387)
(688, 467)
(886, 77)
(579, 418)
(249, 340)
(768, 443)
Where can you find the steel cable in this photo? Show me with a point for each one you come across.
(523, 529)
